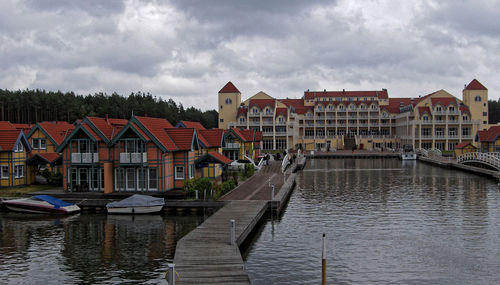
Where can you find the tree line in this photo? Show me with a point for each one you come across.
(493, 111)
(31, 106)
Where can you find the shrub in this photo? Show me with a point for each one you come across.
(200, 184)
(53, 178)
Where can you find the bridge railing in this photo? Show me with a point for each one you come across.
(490, 158)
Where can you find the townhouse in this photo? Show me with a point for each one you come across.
(45, 138)
(14, 149)
(140, 154)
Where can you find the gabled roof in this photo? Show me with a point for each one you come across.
(214, 157)
(475, 85)
(188, 124)
(261, 103)
(6, 125)
(10, 138)
(47, 157)
(242, 111)
(155, 127)
(464, 109)
(133, 127)
(24, 127)
(396, 103)
(462, 145)
(281, 111)
(107, 127)
(184, 138)
(489, 135)
(229, 88)
(55, 131)
(381, 94)
(211, 138)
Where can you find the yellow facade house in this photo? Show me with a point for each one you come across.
(14, 149)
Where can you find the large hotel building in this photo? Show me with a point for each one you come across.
(328, 120)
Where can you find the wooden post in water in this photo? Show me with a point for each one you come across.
(323, 262)
(233, 235)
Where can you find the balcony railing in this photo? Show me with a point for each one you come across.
(267, 114)
(133, 157)
(82, 157)
(232, 145)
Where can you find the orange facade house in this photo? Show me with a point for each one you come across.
(45, 138)
(141, 154)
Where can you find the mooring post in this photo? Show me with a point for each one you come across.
(196, 194)
(272, 193)
(204, 194)
(269, 181)
(171, 274)
(323, 262)
(233, 235)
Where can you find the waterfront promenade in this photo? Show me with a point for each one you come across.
(205, 255)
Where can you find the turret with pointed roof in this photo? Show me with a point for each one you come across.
(229, 101)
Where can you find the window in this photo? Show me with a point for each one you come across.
(439, 132)
(466, 132)
(5, 172)
(153, 180)
(39, 143)
(309, 115)
(485, 114)
(309, 133)
(438, 109)
(452, 132)
(465, 118)
(179, 172)
(191, 171)
(477, 98)
(19, 147)
(221, 120)
(425, 118)
(451, 146)
(242, 120)
(19, 171)
(426, 132)
(451, 109)
(228, 101)
(267, 144)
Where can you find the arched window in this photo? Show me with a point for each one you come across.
(477, 98)
(229, 101)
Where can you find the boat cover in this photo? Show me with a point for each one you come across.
(53, 201)
(137, 200)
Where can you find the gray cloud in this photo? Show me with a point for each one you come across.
(188, 50)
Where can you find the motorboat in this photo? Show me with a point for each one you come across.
(407, 153)
(136, 204)
(41, 204)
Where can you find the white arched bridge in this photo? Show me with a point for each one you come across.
(491, 159)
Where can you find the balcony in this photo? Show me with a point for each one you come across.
(80, 157)
(268, 114)
(267, 123)
(254, 123)
(254, 114)
(267, 134)
(133, 157)
(281, 123)
(232, 146)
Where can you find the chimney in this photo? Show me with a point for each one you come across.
(343, 90)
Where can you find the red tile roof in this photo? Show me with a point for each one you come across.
(8, 139)
(462, 145)
(297, 105)
(395, 104)
(242, 111)
(281, 111)
(24, 127)
(6, 125)
(258, 136)
(57, 130)
(229, 88)
(193, 125)
(141, 131)
(382, 94)
(182, 137)
(464, 109)
(422, 110)
(91, 131)
(489, 135)
(220, 157)
(108, 127)
(157, 126)
(49, 156)
(444, 101)
(475, 85)
(262, 103)
(211, 138)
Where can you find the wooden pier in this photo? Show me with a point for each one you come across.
(206, 256)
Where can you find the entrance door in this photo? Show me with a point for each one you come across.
(131, 179)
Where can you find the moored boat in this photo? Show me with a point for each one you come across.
(407, 153)
(41, 204)
(136, 204)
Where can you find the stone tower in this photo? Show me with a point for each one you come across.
(229, 101)
(475, 96)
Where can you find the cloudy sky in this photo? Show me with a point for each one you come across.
(189, 49)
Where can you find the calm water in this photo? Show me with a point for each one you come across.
(89, 248)
(387, 222)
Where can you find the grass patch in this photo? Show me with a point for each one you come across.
(19, 191)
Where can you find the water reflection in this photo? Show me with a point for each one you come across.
(89, 248)
(386, 221)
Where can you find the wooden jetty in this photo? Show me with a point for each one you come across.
(206, 256)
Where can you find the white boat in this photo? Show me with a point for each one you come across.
(41, 204)
(407, 153)
(136, 204)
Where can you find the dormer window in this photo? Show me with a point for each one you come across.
(425, 118)
(374, 107)
(242, 120)
(451, 109)
(319, 108)
(330, 107)
(465, 118)
(255, 110)
(268, 111)
(438, 109)
(19, 147)
(353, 107)
(281, 119)
(228, 101)
(309, 115)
